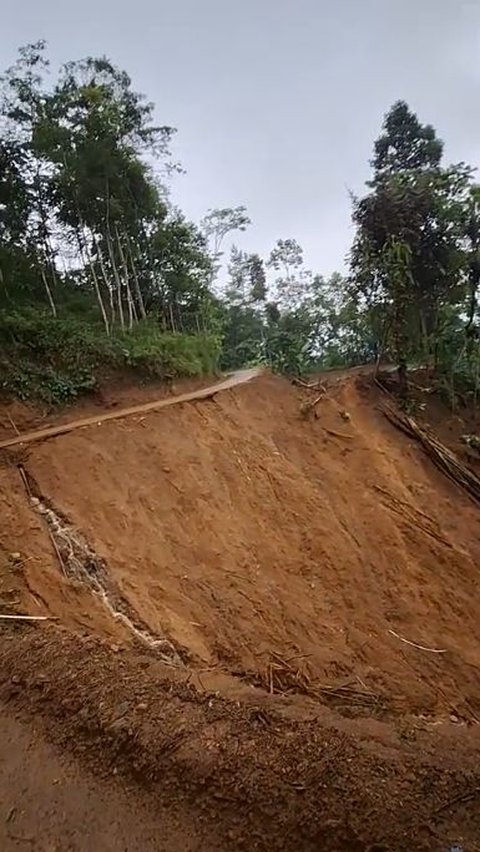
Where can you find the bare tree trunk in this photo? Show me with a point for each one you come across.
(138, 291)
(172, 320)
(132, 313)
(99, 295)
(425, 337)
(44, 232)
(2, 281)
(106, 280)
(400, 346)
(83, 249)
(117, 280)
(130, 306)
(49, 293)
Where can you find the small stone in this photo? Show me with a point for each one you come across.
(454, 718)
(122, 709)
(142, 706)
(115, 648)
(15, 679)
(16, 557)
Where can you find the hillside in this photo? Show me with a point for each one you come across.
(283, 605)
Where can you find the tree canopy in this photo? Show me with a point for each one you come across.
(87, 230)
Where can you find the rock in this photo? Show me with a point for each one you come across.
(122, 709)
(16, 557)
(142, 706)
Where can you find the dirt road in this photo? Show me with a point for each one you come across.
(51, 804)
(237, 378)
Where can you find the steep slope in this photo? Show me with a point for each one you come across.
(266, 544)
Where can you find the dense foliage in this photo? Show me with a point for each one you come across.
(99, 271)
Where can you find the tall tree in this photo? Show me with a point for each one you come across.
(408, 246)
(292, 280)
(216, 224)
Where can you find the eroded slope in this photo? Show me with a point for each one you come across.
(245, 532)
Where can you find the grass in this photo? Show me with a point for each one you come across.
(57, 360)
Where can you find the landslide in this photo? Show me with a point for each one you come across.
(244, 536)
(232, 586)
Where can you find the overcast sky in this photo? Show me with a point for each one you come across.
(277, 102)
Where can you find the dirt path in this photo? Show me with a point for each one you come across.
(237, 378)
(51, 803)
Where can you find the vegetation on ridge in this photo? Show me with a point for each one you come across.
(99, 271)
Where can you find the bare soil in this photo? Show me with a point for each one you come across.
(291, 560)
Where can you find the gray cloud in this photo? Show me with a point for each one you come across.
(277, 102)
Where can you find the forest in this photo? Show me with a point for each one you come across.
(99, 271)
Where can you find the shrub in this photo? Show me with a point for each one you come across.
(56, 359)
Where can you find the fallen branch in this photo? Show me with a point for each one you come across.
(14, 427)
(442, 457)
(29, 617)
(337, 434)
(309, 385)
(420, 647)
(462, 797)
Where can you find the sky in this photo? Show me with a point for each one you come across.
(277, 102)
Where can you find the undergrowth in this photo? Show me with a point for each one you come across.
(58, 359)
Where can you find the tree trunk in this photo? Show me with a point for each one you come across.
(138, 291)
(99, 295)
(49, 293)
(400, 347)
(172, 321)
(83, 249)
(106, 280)
(132, 313)
(118, 282)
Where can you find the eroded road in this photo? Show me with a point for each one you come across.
(239, 377)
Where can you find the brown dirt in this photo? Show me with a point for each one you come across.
(276, 551)
(50, 804)
(118, 391)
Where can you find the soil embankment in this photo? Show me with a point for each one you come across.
(243, 581)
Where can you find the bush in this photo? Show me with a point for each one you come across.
(57, 359)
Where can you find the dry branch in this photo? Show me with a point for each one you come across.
(442, 457)
(416, 645)
(28, 617)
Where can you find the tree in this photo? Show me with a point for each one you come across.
(243, 322)
(408, 250)
(216, 225)
(286, 258)
(405, 145)
(22, 106)
(257, 279)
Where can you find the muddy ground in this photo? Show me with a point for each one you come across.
(233, 651)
